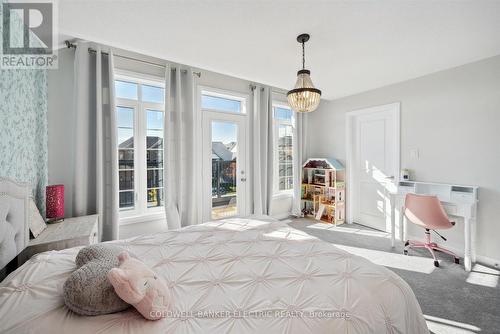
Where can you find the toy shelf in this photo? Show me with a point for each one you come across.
(323, 190)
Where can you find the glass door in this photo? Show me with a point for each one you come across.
(225, 161)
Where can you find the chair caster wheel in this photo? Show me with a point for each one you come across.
(405, 252)
(436, 264)
(457, 260)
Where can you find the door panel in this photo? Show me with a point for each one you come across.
(375, 170)
(372, 144)
(370, 205)
(224, 166)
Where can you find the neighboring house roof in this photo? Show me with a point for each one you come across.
(129, 143)
(220, 151)
(231, 146)
(285, 141)
(152, 142)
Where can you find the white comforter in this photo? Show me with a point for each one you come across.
(232, 276)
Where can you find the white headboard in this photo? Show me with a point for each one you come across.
(14, 231)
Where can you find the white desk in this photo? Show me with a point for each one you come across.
(457, 200)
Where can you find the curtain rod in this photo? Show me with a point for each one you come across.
(70, 45)
(253, 87)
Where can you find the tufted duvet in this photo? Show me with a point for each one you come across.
(240, 275)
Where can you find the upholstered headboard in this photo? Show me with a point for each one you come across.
(14, 227)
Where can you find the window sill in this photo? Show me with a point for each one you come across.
(142, 218)
(283, 195)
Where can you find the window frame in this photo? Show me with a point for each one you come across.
(141, 211)
(225, 94)
(276, 124)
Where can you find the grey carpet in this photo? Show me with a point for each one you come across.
(453, 300)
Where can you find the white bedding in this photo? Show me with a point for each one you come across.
(232, 276)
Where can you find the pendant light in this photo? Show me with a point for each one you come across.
(304, 97)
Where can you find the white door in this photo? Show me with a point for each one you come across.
(374, 164)
(224, 165)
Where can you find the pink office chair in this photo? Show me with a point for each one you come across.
(427, 212)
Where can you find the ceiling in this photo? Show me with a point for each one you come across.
(355, 46)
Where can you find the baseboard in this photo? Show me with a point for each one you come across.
(488, 261)
(282, 216)
(142, 219)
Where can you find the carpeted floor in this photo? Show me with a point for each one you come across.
(452, 300)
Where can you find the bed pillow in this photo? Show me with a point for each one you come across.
(88, 291)
(138, 285)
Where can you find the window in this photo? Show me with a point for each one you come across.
(140, 110)
(284, 129)
(214, 101)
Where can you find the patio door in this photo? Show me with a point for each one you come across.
(224, 165)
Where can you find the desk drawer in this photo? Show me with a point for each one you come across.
(462, 197)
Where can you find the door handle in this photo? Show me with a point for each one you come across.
(390, 177)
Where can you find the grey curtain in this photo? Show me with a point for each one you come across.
(262, 152)
(299, 155)
(95, 187)
(182, 170)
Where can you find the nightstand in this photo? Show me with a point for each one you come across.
(71, 232)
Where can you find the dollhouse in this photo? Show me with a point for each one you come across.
(323, 190)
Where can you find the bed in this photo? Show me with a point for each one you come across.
(14, 225)
(239, 275)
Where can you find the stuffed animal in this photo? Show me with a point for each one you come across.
(87, 291)
(138, 285)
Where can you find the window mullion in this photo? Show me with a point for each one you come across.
(142, 160)
(137, 158)
(276, 158)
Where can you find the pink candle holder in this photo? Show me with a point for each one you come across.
(54, 197)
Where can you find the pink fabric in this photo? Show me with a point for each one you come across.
(426, 211)
(139, 286)
(54, 196)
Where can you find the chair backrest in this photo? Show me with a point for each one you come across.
(426, 211)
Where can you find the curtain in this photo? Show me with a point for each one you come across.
(262, 153)
(299, 154)
(182, 172)
(95, 187)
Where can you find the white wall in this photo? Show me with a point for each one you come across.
(453, 118)
(61, 118)
(61, 123)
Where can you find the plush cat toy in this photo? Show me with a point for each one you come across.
(138, 285)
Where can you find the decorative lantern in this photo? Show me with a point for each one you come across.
(54, 197)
